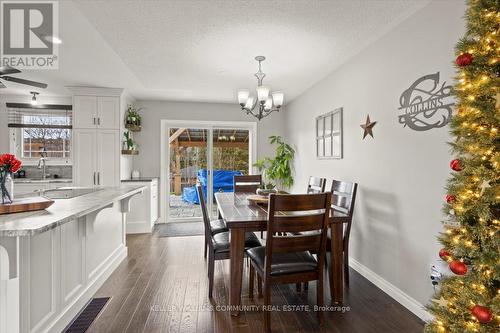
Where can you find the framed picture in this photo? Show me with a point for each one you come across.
(329, 135)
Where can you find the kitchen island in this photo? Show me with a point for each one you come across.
(53, 261)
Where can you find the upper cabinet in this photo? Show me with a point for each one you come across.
(102, 112)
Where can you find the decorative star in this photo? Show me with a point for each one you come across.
(484, 185)
(441, 301)
(367, 127)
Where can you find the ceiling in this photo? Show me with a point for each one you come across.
(204, 50)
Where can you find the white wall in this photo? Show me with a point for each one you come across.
(401, 172)
(148, 161)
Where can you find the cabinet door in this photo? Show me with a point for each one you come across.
(154, 201)
(108, 157)
(85, 111)
(84, 157)
(108, 112)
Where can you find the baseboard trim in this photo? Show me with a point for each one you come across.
(397, 294)
(140, 227)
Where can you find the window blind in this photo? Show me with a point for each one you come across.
(24, 115)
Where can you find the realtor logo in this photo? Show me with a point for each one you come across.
(426, 104)
(28, 32)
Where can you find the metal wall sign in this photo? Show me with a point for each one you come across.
(426, 104)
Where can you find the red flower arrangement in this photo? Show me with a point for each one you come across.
(9, 164)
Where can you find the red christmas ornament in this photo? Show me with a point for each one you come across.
(482, 314)
(458, 267)
(464, 59)
(450, 198)
(443, 254)
(455, 165)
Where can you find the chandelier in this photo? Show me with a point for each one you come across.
(265, 104)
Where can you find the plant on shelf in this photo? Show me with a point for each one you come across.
(277, 172)
(9, 164)
(133, 119)
(129, 144)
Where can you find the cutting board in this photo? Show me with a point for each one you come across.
(25, 205)
(258, 199)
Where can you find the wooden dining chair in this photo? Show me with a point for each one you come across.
(218, 243)
(247, 183)
(287, 257)
(216, 226)
(316, 185)
(343, 200)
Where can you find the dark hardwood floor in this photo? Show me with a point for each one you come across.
(162, 286)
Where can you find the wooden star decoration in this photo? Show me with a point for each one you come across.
(484, 185)
(441, 302)
(368, 127)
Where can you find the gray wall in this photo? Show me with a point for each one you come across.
(401, 172)
(148, 162)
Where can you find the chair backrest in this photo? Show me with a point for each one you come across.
(316, 185)
(297, 222)
(204, 211)
(343, 200)
(248, 183)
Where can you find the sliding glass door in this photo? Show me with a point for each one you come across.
(208, 155)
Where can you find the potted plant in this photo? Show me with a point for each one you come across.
(9, 164)
(277, 172)
(129, 146)
(133, 119)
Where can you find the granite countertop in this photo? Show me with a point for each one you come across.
(41, 181)
(140, 179)
(62, 211)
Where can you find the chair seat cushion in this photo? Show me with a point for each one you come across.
(217, 226)
(221, 241)
(284, 263)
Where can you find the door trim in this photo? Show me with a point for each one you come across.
(165, 152)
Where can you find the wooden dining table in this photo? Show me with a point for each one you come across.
(242, 216)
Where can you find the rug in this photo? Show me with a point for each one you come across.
(180, 229)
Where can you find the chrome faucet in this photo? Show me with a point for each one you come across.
(42, 163)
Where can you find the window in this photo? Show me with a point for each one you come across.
(34, 130)
(329, 135)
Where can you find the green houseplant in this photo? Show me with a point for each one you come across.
(277, 172)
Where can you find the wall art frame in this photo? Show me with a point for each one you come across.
(329, 135)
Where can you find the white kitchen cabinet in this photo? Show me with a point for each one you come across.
(102, 112)
(143, 207)
(96, 157)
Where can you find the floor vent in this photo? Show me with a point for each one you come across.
(85, 318)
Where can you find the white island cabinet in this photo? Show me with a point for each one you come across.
(53, 261)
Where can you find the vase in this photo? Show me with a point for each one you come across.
(7, 188)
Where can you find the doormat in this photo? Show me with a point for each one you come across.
(86, 317)
(181, 229)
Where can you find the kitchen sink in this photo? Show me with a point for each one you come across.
(67, 193)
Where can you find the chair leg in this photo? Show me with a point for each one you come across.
(267, 313)
(306, 286)
(259, 285)
(262, 235)
(346, 267)
(298, 286)
(211, 264)
(251, 278)
(320, 298)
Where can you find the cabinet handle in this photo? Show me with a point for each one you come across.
(98, 178)
(94, 178)
(93, 120)
(99, 121)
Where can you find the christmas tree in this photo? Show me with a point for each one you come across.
(469, 300)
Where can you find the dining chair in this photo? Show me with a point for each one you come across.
(316, 185)
(216, 226)
(287, 257)
(343, 200)
(247, 183)
(219, 243)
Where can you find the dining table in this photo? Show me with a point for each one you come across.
(242, 216)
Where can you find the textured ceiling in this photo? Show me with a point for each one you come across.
(203, 50)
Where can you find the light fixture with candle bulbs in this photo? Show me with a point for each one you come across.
(33, 98)
(264, 104)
